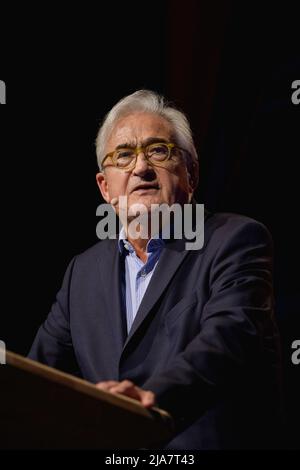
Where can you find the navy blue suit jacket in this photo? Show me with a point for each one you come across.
(204, 338)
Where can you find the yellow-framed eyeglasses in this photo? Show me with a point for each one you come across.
(157, 154)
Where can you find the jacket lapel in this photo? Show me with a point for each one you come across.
(112, 280)
(171, 257)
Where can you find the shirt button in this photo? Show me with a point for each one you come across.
(143, 273)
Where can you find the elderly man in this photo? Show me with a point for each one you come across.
(191, 331)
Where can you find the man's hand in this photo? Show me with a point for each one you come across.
(126, 387)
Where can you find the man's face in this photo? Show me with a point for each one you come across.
(145, 184)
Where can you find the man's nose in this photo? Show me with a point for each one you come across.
(142, 165)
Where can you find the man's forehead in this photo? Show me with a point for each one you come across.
(138, 128)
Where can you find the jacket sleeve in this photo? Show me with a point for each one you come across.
(235, 322)
(53, 343)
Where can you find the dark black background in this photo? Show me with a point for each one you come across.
(229, 65)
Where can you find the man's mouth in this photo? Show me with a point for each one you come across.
(146, 187)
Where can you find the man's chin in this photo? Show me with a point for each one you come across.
(147, 201)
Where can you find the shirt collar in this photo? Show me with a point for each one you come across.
(125, 247)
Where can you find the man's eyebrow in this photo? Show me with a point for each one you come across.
(149, 141)
(154, 140)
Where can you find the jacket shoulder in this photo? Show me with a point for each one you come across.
(227, 221)
(222, 229)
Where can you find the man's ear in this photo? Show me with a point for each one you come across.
(103, 186)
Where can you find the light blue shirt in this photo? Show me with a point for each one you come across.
(137, 273)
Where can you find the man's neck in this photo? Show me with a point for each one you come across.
(140, 247)
(140, 243)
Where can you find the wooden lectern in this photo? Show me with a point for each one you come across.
(43, 408)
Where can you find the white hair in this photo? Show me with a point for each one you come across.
(146, 101)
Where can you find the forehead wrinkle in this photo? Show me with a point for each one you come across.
(133, 131)
(143, 143)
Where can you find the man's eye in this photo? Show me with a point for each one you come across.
(125, 154)
(158, 152)
(159, 149)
